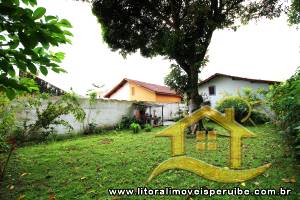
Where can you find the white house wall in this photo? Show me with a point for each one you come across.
(122, 93)
(225, 85)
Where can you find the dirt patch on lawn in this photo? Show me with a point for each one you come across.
(106, 141)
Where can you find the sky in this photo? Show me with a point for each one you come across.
(266, 49)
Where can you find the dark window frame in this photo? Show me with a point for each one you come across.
(212, 90)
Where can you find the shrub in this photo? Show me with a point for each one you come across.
(259, 117)
(50, 115)
(90, 129)
(284, 101)
(7, 121)
(240, 105)
(148, 127)
(135, 127)
(7, 126)
(126, 122)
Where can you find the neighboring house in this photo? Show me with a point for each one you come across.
(129, 89)
(214, 87)
(44, 86)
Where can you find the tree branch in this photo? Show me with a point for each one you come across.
(233, 5)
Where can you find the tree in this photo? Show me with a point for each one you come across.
(26, 36)
(294, 12)
(177, 80)
(180, 30)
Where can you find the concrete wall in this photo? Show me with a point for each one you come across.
(104, 113)
(225, 85)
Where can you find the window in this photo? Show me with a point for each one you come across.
(132, 91)
(212, 90)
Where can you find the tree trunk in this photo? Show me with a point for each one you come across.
(195, 100)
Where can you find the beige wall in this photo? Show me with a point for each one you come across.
(140, 93)
(167, 99)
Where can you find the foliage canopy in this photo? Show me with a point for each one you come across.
(179, 30)
(294, 12)
(26, 35)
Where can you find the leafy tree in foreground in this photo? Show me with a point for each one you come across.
(294, 12)
(26, 36)
(180, 30)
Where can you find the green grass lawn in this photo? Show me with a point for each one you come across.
(85, 167)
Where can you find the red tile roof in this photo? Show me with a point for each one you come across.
(158, 89)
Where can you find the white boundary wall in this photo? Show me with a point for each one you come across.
(104, 113)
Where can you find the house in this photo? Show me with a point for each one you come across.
(129, 89)
(214, 87)
(44, 86)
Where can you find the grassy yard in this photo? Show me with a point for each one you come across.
(85, 167)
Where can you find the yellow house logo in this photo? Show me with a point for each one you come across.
(180, 161)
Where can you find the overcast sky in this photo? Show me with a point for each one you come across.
(264, 50)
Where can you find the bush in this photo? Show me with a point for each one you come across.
(148, 127)
(126, 122)
(92, 129)
(50, 115)
(240, 105)
(283, 99)
(135, 127)
(259, 117)
(7, 127)
(7, 121)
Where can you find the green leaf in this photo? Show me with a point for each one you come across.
(21, 66)
(25, 2)
(12, 72)
(50, 18)
(14, 44)
(58, 70)
(2, 38)
(68, 33)
(17, 2)
(65, 23)
(32, 68)
(33, 2)
(28, 42)
(10, 93)
(54, 28)
(39, 12)
(68, 41)
(60, 55)
(44, 70)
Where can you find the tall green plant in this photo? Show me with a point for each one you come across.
(91, 126)
(51, 115)
(284, 100)
(7, 125)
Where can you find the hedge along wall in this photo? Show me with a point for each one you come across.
(104, 113)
